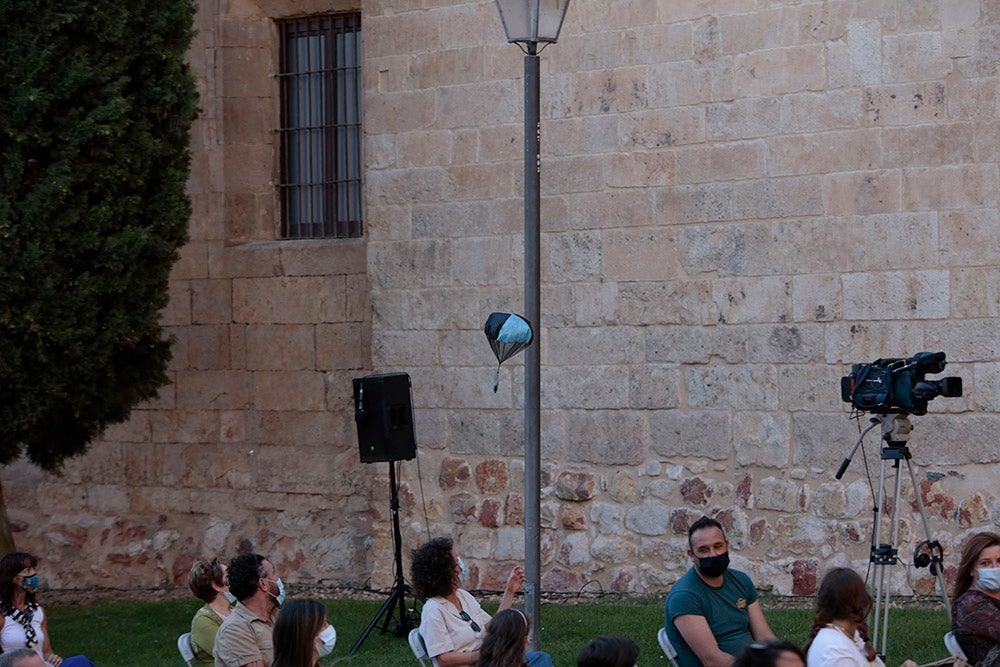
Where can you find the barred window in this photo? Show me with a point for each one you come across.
(320, 131)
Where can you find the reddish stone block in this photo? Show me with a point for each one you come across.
(574, 518)
(514, 512)
(804, 577)
(489, 513)
(454, 474)
(491, 476)
(744, 490)
(679, 522)
(622, 583)
(576, 486)
(181, 568)
(695, 491)
(726, 518)
(973, 511)
(560, 580)
(936, 502)
(758, 530)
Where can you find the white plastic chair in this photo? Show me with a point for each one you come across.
(951, 643)
(186, 649)
(418, 648)
(667, 647)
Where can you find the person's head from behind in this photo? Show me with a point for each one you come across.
(775, 653)
(17, 572)
(842, 595)
(434, 568)
(21, 657)
(612, 651)
(506, 639)
(207, 579)
(980, 564)
(301, 634)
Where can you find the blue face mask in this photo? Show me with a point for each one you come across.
(230, 597)
(30, 584)
(989, 578)
(280, 597)
(461, 569)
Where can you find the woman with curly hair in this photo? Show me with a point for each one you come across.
(452, 623)
(975, 615)
(839, 636)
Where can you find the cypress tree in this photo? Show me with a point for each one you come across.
(96, 103)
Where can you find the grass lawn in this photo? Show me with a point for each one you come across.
(144, 634)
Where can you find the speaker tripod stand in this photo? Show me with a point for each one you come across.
(895, 436)
(397, 596)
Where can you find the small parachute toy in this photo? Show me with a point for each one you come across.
(508, 334)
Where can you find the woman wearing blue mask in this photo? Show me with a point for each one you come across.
(207, 580)
(302, 634)
(975, 615)
(22, 620)
(452, 623)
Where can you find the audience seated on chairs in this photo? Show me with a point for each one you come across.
(611, 651)
(23, 623)
(775, 653)
(975, 616)
(207, 581)
(452, 623)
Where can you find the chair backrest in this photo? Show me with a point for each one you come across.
(666, 646)
(951, 643)
(419, 649)
(187, 651)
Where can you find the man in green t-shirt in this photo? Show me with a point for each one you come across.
(712, 612)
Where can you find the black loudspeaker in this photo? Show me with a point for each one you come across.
(384, 414)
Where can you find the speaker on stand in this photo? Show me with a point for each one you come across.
(384, 415)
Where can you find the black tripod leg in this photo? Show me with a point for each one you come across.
(389, 603)
(399, 588)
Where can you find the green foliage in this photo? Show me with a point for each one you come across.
(146, 632)
(96, 103)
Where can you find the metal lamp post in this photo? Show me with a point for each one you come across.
(529, 23)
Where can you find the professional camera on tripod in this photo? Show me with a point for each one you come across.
(898, 386)
(893, 389)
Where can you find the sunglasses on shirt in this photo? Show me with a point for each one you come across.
(465, 617)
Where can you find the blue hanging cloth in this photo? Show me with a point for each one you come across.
(508, 334)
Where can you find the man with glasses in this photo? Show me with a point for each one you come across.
(244, 639)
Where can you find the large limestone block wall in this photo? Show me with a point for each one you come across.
(254, 439)
(739, 200)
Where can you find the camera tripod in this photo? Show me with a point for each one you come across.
(397, 596)
(895, 435)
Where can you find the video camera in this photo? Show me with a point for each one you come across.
(898, 386)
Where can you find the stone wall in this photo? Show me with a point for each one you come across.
(740, 198)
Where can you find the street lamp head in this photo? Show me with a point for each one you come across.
(532, 21)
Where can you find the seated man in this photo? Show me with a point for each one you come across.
(712, 612)
(21, 657)
(244, 638)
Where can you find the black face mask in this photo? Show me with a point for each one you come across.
(714, 566)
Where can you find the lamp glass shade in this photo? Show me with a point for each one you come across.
(532, 20)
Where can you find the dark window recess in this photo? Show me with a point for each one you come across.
(320, 76)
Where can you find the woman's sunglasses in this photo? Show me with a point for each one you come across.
(465, 617)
